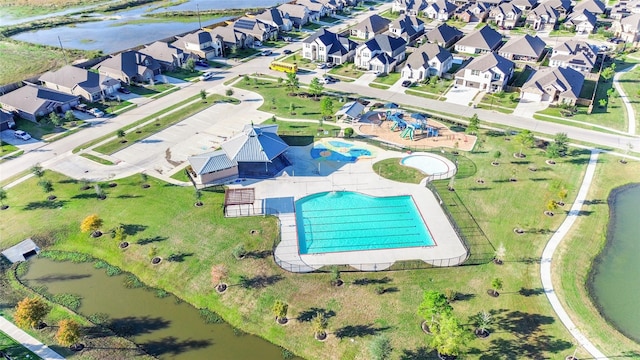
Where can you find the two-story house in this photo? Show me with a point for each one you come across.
(505, 15)
(628, 28)
(407, 27)
(440, 10)
(370, 27)
(298, 14)
(200, 43)
(624, 8)
(129, 66)
(561, 6)
(231, 38)
(444, 35)
(409, 7)
(543, 17)
(480, 41)
(489, 72)
(575, 54)
(381, 54)
(582, 21)
(472, 12)
(315, 7)
(523, 48)
(169, 57)
(426, 61)
(73, 80)
(254, 27)
(275, 18)
(326, 46)
(524, 5)
(596, 7)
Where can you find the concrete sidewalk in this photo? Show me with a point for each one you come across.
(28, 341)
(631, 116)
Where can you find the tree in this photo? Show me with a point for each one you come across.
(229, 92)
(473, 124)
(292, 108)
(120, 133)
(496, 156)
(611, 92)
(190, 65)
(553, 150)
(246, 79)
(501, 251)
(239, 252)
(68, 332)
(30, 312)
(482, 320)
(449, 336)
(496, 285)
(561, 140)
(37, 170)
(335, 276)
(69, 116)
(99, 192)
(602, 102)
(91, 223)
(198, 195)
(380, 348)
(551, 205)
(326, 107)
(434, 305)
(3, 197)
(46, 185)
(144, 178)
(348, 132)
(562, 195)
(54, 119)
(319, 324)
(120, 233)
(524, 139)
(608, 72)
(315, 88)
(292, 82)
(280, 309)
(203, 95)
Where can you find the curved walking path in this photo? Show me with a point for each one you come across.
(631, 116)
(547, 256)
(28, 341)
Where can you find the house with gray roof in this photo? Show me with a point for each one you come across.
(253, 27)
(472, 12)
(370, 27)
(381, 54)
(230, 37)
(523, 48)
(326, 46)
(129, 66)
(315, 7)
(444, 35)
(561, 6)
(31, 102)
(274, 17)
(426, 61)
(480, 41)
(543, 17)
(624, 8)
(628, 29)
(581, 21)
(506, 15)
(332, 6)
(409, 7)
(169, 57)
(556, 85)
(489, 72)
(524, 5)
(407, 27)
(595, 7)
(575, 54)
(200, 43)
(440, 10)
(73, 80)
(298, 14)
(6, 120)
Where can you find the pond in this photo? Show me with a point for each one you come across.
(614, 284)
(165, 327)
(107, 34)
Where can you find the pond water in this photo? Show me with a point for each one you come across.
(615, 286)
(164, 327)
(115, 32)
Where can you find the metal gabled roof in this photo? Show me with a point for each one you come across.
(255, 144)
(211, 162)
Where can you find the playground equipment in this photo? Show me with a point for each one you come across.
(408, 129)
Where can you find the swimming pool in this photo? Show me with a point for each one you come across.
(350, 221)
(338, 151)
(429, 164)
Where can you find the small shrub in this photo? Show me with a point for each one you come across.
(98, 318)
(348, 132)
(209, 317)
(132, 282)
(160, 293)
(113, 270)
(71, 301)
(229, 92)
(66, 256)
(451, 295)
(239, 251)
(287, 355)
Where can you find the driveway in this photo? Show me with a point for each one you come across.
(461, 95)
(526, 108)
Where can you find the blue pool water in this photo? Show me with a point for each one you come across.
(348, 153)
(348, 221)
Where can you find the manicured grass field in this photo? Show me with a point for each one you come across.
(523, 327)
(631, 84)
(388, 79)
(25, 8)
(44, 129)
(347, 70)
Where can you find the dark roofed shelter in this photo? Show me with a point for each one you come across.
(235, 198)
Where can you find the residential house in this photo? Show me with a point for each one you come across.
(407, 27)
(275, 18)
(575, 54)
(299, 15)
(440, 10)
(200, 43)
(326, 46)
(627, 29)
(480, 41)
(31, 102)
(561, 85)
(230, 38)
(582, 21)
(6, 120)
(505, 15)
(444, 35)
(543, 17)
(624, 8)
(315, 7)
(409, 7)
(129, 66)
(332, 6)
(370, 27)
(381, 54)
(596, 7)
(426, 61)
(489, 72)
(525, 5)
(472, 12)
(254, 27)
(524, 48)
(169, 57)
(561, 6)
(76, 81)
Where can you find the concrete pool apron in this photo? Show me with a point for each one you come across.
(358, 177)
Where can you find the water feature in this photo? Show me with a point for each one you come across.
(164, 327)
(614, 284)
(108, 34)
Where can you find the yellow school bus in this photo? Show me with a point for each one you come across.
(283, 66)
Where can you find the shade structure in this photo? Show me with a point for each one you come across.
(418, 116)
(391, 105)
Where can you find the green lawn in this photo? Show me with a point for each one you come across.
(438, 87)
(520, 76)
(562, 32)
(348, 70)
(631, 84)
(97, 159)
(588, 88)
(388, 14)
(13, 349)
(378, 86)
(184, 74)
(329, 19)
(7, 148)
(388, 79)
(44, 129)
(300, 61)
(458, 24)
(422, 94)
(495, 102)
(311, 26)
(181, 176)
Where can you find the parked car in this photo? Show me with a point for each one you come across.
(111, 97)
(96, 112)
(286, 51)
(124, 90)
(330, 79)
(81, 107)
(206, 76)
(257, 43)
(202, 63)
(22, 135)
(406, 83)
(331, 65)
(266, 53)
(321, 66)
(287, 38)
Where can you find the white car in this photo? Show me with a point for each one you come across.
(206, 76)
(96, 112)
(266, 53)
(22, 135)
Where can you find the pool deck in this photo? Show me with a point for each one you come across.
(309, 176)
